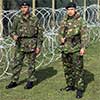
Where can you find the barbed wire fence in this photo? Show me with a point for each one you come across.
(51, 27)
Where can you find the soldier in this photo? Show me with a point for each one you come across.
(27, 33)
(73, 39)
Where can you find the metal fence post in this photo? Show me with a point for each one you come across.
(1, 25)
(98, 2)
(84, 16)
(33, 6)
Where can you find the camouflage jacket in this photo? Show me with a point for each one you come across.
(73, 29)
(29, 32)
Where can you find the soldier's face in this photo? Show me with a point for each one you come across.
(71, 11)
(24, 9)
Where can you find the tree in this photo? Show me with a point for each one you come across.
(10, 4)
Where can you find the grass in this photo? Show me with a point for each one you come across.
(51, 79)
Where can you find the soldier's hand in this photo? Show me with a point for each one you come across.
(62, 40)
(37, 51)
(15, 37)
(82, 51)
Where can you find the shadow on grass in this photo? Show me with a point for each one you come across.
(88, 78)
(42, 74)
(46, 73)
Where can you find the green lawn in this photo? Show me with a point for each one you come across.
(51, 79)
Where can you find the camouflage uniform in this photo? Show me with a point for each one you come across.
(30, 37)
(72, 29)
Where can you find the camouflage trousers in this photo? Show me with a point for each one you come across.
(18, 63)
(73, 69)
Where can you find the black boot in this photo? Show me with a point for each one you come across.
(11, 85)
(79, 94)
(30, 84)
(70, 88)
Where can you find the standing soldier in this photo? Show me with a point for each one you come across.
(73, 38)
(27, 33)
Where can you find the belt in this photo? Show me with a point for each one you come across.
(25, 37)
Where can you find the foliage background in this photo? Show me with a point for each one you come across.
(13, 4)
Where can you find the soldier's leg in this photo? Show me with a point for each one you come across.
(18, 60)
(19, 56)
(32, 80)
(68, 68)
(79, 72)
(31, 64)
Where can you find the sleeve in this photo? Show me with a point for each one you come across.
(39, 36)
(84, 35)
(61, 30)
(13, 30)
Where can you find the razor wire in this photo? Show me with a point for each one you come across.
(51, 25)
